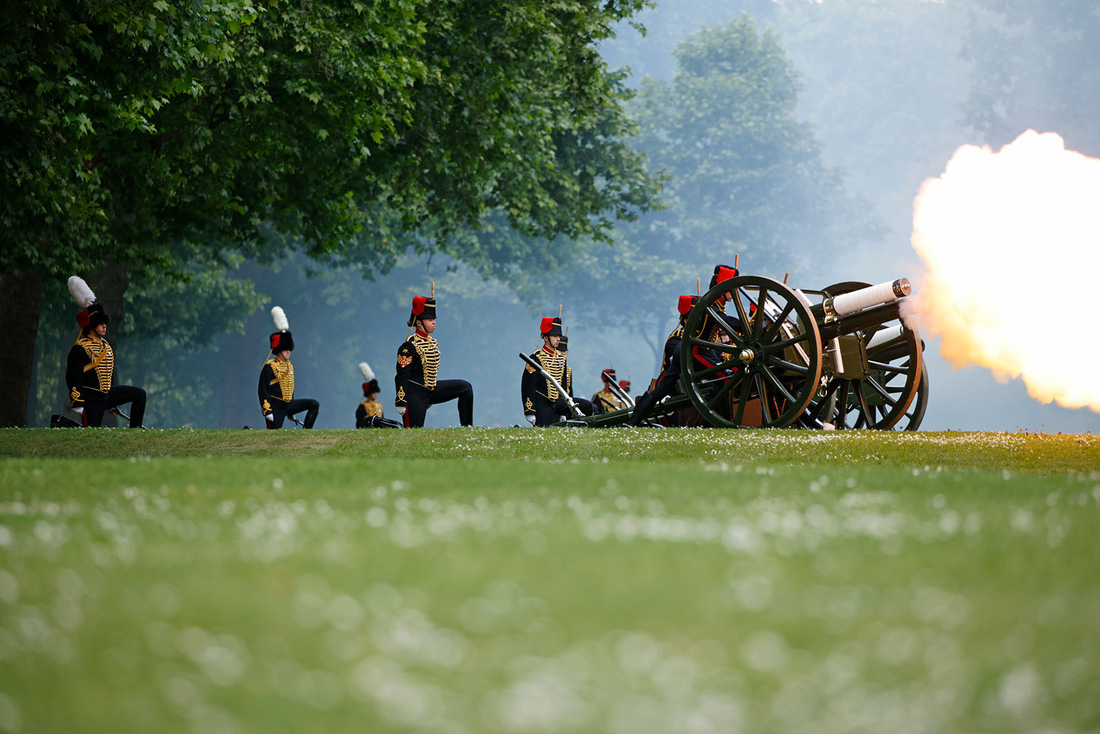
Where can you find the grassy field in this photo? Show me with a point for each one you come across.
(521, 580)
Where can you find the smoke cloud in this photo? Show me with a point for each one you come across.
(1011, 243)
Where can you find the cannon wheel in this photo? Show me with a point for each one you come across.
(768, 372)
(883, 399)
(915, 414)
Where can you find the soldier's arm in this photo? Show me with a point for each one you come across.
(74, 375)
(407, 360)
(527, 389)
(264, 389)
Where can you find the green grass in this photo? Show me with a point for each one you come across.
(527, 580)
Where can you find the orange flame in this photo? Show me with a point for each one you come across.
(1011, 241)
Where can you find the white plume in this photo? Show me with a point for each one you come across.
(80, 291)
(277, 315)
(368, 373)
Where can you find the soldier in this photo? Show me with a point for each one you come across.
(276, 387)
(90, 367)
(668, 381)
(416, 381)
(369, 412)
(543, 404)
(605, 400)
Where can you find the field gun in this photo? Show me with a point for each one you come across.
(758, 353)
(838, 357)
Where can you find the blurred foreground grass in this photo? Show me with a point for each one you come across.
(518, 580)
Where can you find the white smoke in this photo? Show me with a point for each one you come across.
(1011, 241)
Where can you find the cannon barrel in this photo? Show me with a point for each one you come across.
(859, 320)
(858, 300)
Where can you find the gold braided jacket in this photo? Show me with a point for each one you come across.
(101, 359)
(554, 363)
(276, 383)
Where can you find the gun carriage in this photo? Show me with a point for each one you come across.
(758, 353)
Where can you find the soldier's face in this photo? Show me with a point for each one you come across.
(428, 325)
(554, 341)
(284, 355)
(101, 329)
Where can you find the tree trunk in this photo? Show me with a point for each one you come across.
(20, 306)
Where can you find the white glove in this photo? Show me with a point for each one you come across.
(401, 410)
(530, 418)
(78, 411)
(270, 417)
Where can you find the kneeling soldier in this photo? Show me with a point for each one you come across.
(543, 404)
(417, 383)
(369, 412)
(276, 388)
(606, 400)
(90, 367)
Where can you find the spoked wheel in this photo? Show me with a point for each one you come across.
(876, 381)
(751, 354)
(915, 414)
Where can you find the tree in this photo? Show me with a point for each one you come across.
(745, 178)
(133, 125)
(1035, 65)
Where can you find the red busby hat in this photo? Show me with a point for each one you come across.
(92, 314)
(423, 307)
(92, 317)
(371, 384)
(721, 273)
(625, 385)
(608, 375)
(281, 340)
(685, 304)
(550, 326)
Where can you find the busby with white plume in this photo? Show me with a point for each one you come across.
(370, 384)
(92, 314)
(281, 340)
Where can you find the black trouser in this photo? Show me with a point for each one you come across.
(667, 383)
(293, 408)
(95, 407)
(547, 413)
(377, 421)
(418, 399)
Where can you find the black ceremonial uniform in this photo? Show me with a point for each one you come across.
(276, 393)
(606, 401)
(668, 381)
(540, 397)
(367, 409)
(418, 386)
(90, 376)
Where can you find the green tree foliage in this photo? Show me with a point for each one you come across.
(1035, 65)
(745, 178)
(133, 125)
(163, 122)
